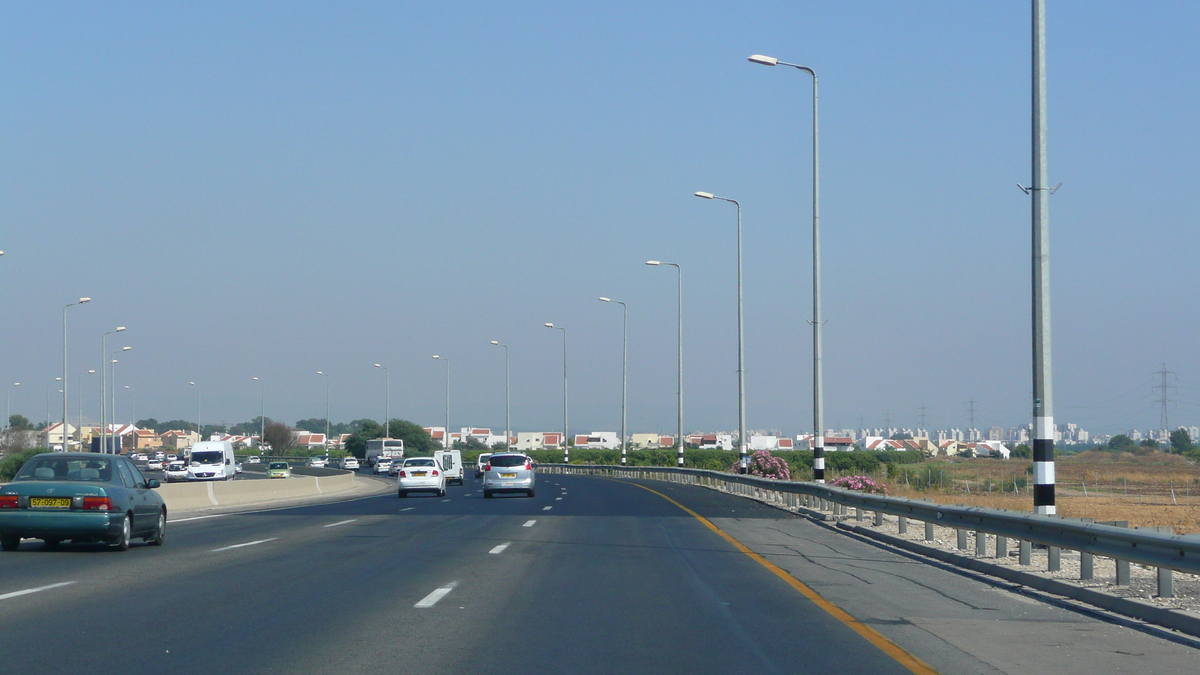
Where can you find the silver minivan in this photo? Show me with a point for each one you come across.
(508, 472)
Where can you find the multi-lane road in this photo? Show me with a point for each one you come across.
(591, 576)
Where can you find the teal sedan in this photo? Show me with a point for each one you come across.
(82, 497)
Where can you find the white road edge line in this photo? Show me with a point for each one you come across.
(184, 520)
(529, 523)
(432, 599)
(407, 509)
(249, 543)
(499, 549)
(39, 589)
(343, 522)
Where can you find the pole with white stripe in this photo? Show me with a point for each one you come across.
(1043, 404)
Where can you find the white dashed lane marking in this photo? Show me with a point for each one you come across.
(184, 520)
(529, 523)
(498, 549)
(432, 599)
(249, 543)
(341, 522)
(408, 509)
(558, 499)
(17, 594)
(547, 508)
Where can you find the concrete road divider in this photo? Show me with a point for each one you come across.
(190, 496)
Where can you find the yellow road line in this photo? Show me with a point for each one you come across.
(888, 647)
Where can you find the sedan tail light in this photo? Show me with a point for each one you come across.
(99, 504)
(403, 475)
(435, 472)
(8, 501)
(488, 467)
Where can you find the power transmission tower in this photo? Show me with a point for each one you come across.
(1162, 399)
(922, 415)
(887, 424)
(971, 411)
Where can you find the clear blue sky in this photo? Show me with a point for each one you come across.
(273, 189)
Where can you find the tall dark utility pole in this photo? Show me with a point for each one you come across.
(1163, 400)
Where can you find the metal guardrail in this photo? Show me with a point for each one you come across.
(1161, 550)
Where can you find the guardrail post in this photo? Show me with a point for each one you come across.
(878, 518)
(1122, 572)
(1026, 553)
(1166, 583)
(858, 513)
(1001, 547)
(928, 531)
(903, 525)
(1053, 561)
(1086, 565)
(980, 544)
(962, 539)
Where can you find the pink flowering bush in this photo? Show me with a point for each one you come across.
(861, 483)
(763, 465)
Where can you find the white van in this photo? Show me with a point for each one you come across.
(212, 460)
(384, 447)
(451, 463)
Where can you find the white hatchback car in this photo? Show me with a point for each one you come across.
(421, 474)
(382, 465)
(349, 463)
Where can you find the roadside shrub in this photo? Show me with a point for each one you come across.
(763, 465)
(13, 461)
(861, 483)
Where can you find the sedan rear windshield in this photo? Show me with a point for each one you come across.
(99, 470)
(507, 460)
(419, 462)
(277, 465)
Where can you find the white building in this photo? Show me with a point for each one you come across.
(598, 440)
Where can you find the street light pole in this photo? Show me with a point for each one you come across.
(57, 379)
(199, 429)
(80, 397)
(507, 421)
(262, 414)
(8, 405)
(65, 436)
(818, 381)
(104, 388)
(387, 401)
(624, 360)
(743, 457)
(112, 368)
(679, 367)
(326, 404)
(566, 445)
(447, 361)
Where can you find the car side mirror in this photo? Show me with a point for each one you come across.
(153, 483)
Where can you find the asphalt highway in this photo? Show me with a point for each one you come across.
(590, 576)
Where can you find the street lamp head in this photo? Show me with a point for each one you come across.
(120, 328)
(605, 299)
(320, 373)
(376, 365)
(705, 195)
(192, 383)
(437, 357)
(255, 379)
(115, 361)
(83, 300)
(549, 325)
(91, 372)
(653, 262)
(125, 349)
(496, 342)
(58, 379)
(763, 60)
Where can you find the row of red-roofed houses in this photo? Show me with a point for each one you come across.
(946, 448)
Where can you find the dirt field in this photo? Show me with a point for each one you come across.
(1152, 490)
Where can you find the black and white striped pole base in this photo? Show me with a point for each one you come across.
(818, 459)
(1043, 466)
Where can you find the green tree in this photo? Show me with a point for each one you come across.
(1121, 443)
(1022, 451)
(313, 425)
(417, 441)
(1181, 442)
(280, 437)
(19, 422)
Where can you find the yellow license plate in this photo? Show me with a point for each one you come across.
(418, 473)
(49, 502)
(508, 475)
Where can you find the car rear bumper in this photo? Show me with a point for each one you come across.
(61, 524)
(510, 485)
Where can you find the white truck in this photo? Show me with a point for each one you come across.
(384, 447)
(212, 460)
(451, 463)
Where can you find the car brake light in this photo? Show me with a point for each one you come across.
(98, 504)
(528, 466)
(8, 501)
(435, 472)
(403, 475)
(488, 467)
